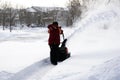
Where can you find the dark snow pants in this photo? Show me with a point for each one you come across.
(54, 50)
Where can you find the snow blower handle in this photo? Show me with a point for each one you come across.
(63, 36)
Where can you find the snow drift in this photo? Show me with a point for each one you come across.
(110, 70)
(5, 75)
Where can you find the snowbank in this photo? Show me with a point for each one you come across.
(5, 75)
(110, 70)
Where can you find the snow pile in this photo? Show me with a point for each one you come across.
(5, 75)
(98, 4)
(110, 70)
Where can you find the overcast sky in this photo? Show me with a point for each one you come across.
(28, 3)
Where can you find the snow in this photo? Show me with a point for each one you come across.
(93, 43)
(31, 10)
(5, 75)
(109, 68)
(18, 45)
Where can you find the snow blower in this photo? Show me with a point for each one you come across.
(63, 51)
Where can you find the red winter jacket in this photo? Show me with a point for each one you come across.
(54, 34)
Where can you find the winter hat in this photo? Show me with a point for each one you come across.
(55, 23)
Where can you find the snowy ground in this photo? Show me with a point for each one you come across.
(94, 44)
(22, 48)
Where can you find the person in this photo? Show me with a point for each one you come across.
(54, 41)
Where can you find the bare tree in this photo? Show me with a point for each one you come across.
(21, 14)
(8, 15)
(4, 7)
(11, 16)
(74, 10)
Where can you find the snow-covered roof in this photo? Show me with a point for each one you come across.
(31, 10)
(44, 9)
